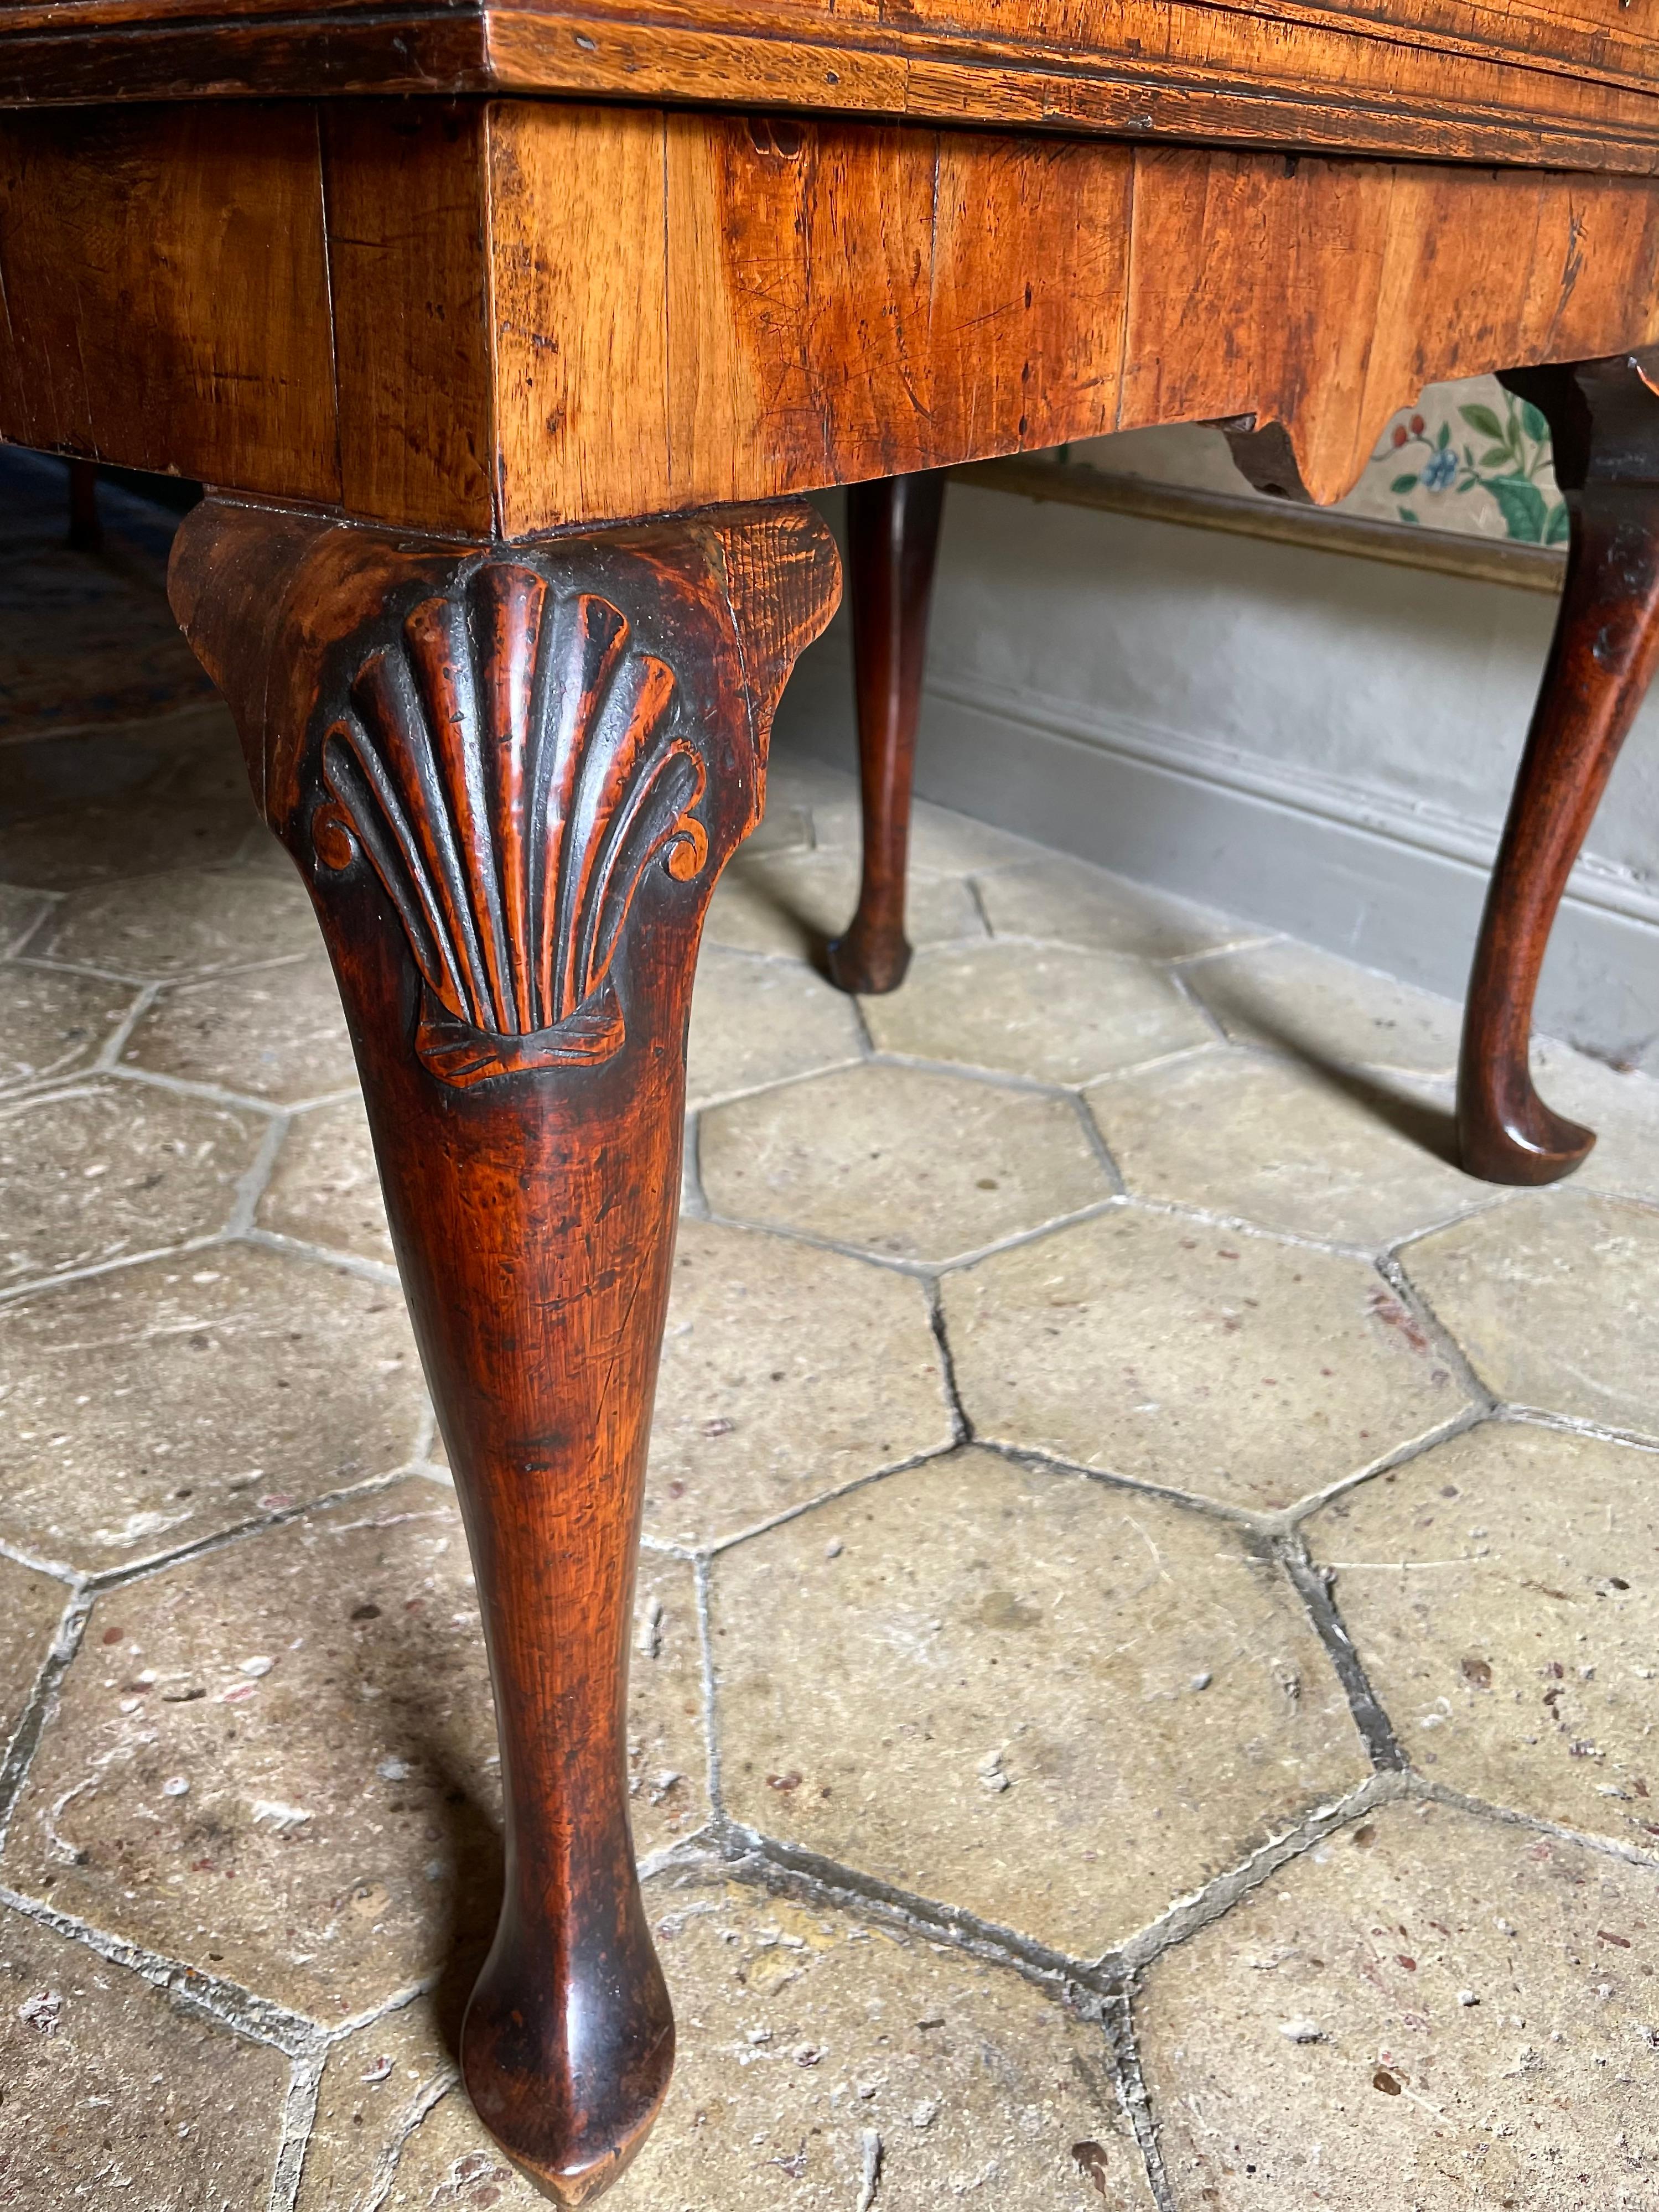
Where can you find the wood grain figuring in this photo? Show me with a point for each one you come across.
(166, 295)
(846, 300)
(770, 299)
(405, 195)
(573, 693)
(1604, 425)
(247, 54)
(580, 313)
(1150, 69)
(550, 315)
(1344, 289)
(1527, 83)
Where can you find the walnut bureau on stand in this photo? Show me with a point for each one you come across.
(508, 338)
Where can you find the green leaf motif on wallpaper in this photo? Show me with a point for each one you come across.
(1481, 418)
(1516, 454)
(1522, 505)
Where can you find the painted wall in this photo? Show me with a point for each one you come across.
(1318, 742)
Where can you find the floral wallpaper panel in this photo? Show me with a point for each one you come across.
(1468, 458)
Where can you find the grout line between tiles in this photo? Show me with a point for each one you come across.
(962, 1427)
(1508, 1816)
(1451, 1351)
(1184, 1919)
(298, 2117)
(694, 1203)
(60, 1570)
(250, 1184)
(1095, 1137)
(226, 2002)
(157, 1563)
(717, 1547)
(709, 1102)
(431, 2094)
(184, 1086)
(922, 1270)
(38, 1284)
(1472, 1415)
(794, 1870)
(1119, 2025)
(1313, 1585)
(26, 1736)
(324, 1255)
(107, 1061)
(1575, 1425)
(714, 1777)
(1264, 1526)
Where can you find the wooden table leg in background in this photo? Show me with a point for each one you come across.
(892, 538)
(85, 528)
(1604, 424)
(510, 776)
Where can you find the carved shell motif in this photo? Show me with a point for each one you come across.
(511, 766)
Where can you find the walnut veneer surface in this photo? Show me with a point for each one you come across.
(488, 327)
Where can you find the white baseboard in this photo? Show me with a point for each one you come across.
(1397, 889)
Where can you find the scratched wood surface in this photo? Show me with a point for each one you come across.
(519, 316)
(1567, 82)
(166, 300)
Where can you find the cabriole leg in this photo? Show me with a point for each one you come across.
(1604, 424)
(892, 538)
(510, 777)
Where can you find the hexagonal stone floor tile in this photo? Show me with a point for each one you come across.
(1204, 1360)
(786, 1372)
(1287, 1147)
(19, 912)
(1045, 1011)
(901, 1160)
(821, 2049)
(791, 903)
(31, 1607)
(1499, 1592)
(1427, 2010)
(1554, 1295)
(188, 922)
(377, 2083)
(324, 1187)
(756, 1021)
(1067, 902)
(111, 1168)
(52, 1023)
(157, 1405)
(1029, 1695)
(1621, 1105)
(275, 1761)
(1327, 1009)
(128, 801)
(116, 2091)
(275, 1032)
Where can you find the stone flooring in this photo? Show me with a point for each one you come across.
(1144, 1647)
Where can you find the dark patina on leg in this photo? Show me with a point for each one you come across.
(892, 539)
(510, 776)
(1604, 422)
